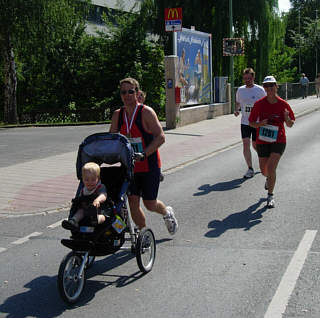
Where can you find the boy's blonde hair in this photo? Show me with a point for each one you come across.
(91, 168)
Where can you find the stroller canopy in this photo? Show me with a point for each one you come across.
(108, 148)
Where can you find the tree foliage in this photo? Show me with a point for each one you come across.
(49, 64)
(30, 31)
(256, 21)
(303, 34)
(62, 73)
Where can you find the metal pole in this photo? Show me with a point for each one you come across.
(299, 44)
(231, 57)
(316, 43)
(174, 38)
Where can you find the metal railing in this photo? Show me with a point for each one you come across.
(292, 90)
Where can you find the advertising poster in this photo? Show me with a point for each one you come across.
(233, 46)
(193, 73)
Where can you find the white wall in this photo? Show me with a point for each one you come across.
(126, 5)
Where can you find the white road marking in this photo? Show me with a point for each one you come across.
(26, 238)
(2, 249)
(54, 225)
(280, 300)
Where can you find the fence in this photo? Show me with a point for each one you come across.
(285, 91)
(292, 90)
(74, 116)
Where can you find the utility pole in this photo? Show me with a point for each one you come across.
(299, 44)
(231, 57)
(316, 43)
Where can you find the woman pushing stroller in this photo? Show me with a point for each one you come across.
(140, 124)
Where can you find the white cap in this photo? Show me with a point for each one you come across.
(269, 79)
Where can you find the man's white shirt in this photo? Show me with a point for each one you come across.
(246, 97)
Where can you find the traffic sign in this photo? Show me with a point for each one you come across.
(173, 19)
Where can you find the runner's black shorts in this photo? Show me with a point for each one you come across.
(264, 150)
(248, 131)
(146, 184)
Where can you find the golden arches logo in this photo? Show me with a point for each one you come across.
(173, 13)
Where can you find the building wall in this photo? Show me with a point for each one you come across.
(95, 22)
(116, 4)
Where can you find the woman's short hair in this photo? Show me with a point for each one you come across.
(131, 81)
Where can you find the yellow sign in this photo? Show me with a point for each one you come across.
(173, 14)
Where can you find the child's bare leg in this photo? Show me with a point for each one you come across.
(101, 218)
(79, 215)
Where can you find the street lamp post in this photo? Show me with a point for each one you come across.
(299, 44)
(316, 43)
(231, 57)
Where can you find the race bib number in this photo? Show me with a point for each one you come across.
(248, 108)
(136, 144)
(268, 133)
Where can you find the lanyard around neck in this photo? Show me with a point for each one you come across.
(131, 121)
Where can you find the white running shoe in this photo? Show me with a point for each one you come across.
(270, 201)
(249, 174)
(171, 221)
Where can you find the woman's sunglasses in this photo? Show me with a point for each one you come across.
(268, 85)
(129, 91)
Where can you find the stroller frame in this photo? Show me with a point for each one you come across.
(91, 241)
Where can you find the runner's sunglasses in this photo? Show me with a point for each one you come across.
(129, 91)
(268, 85)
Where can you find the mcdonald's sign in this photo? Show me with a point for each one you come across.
(173, 19)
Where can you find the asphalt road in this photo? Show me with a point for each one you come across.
(232, 257)
(23, 144)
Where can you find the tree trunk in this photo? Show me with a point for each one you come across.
(10, 82)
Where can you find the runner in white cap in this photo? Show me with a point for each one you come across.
(268, 116)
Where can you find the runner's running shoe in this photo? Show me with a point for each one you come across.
(270, 201)
(171, 221)
(249, 174)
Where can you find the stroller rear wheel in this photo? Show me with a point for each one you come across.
(145, 250)
(70, 281)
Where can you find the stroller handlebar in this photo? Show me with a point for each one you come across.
(140, 156)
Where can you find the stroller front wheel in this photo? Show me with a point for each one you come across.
(70, 280)
(90, 261)
(146, 250)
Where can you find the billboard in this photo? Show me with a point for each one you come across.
(194, 70)
(233, 46)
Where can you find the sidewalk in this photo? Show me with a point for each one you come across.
(50, 189)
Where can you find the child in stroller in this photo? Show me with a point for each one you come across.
(92, 196)
(89, 241)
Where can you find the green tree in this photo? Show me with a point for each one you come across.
(252, 20)
(132, 51)
(27, 28)
(303, 34)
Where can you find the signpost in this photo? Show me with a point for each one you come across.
(173, 19)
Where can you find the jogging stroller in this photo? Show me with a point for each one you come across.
(90, 241)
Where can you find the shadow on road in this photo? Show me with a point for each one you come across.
(245, 219)
(42, 299)
(220, 186)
